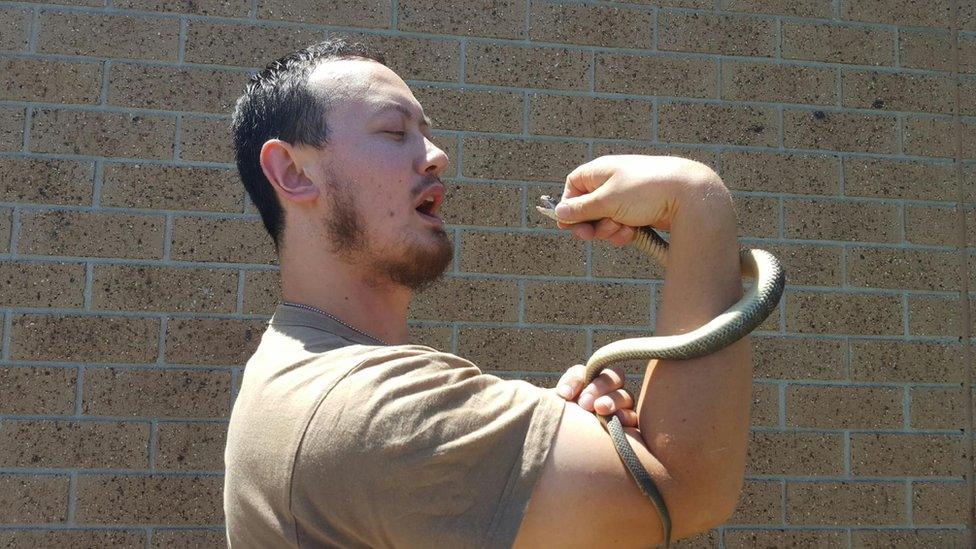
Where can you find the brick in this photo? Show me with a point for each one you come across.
(522, 349)
(504, 19)
(838, 44)
(934, 316)
(967, 105)
(808, 264)
(17, 24)
(840, 131)
(219, 8)
(89, 234)
(11, 128)
(844, 407)
(934, 408)
(760, 502)
(102, 134)
(930, 137)
(846, 221)
(156, 499)
(590, 117)
(39, 181)
(87, 539)
(483, 204)
(604, 26)
(243, 45)
(525, 254)
(111, 36)
(168, 88)
(73, 444)
(611, 261)
(939, 503)
(51, 81)
(471, 110)
(895, 361)
(899, 12)
(84, 338)
(435, 60)
(903, 269)
(156, 393)
(764, 411)
(521, 160)
(472, 300)
(591, 303)
(925, 49)
(33, 499)
(5, 215)
(206, 140)
(910, 180)
(778, 83)
(822, 539)
(758, 217)
(849, 314)
(898, 92)
(652, 75)
(707, 157)
(798, 359)
(967, 54)
(59, 285)
(724, 34)
(733, 125)
(188, 539)
(222, 240)
(191, 446)
(837, 503)
(165, 188)
(36, 390)
(528, 67)
(261, 291)
(909, 538)
(357, 13)
(906, 455)
(212, 341)
(781, 173)
(142, 288)
(806, 454)
(801, 8)
(437, 337)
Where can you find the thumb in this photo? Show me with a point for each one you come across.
(581, 208)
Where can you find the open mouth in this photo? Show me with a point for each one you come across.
(426, 209)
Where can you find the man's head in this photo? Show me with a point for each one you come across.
(336, 155)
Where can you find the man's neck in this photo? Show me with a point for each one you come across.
(378, 308)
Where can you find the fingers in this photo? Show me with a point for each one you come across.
(571, 382)
(604, 229)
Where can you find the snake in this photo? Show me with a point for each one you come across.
(761, 298)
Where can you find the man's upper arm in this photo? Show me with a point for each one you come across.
(585, 496)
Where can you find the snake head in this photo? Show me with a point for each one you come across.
(547, 207)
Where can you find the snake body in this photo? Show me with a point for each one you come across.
(728, 327)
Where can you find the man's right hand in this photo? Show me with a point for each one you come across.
(619, 192)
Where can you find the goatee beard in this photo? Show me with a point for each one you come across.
(419, 265)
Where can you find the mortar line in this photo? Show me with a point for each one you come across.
(906, 408)
(14, 232)
(89, 282)
(394, 14)
(778, 37)
(782, 404)
(905, 314)
(28, 122)
(7, 326)
(72, 498)
(181, 48)
(178, 138)
(161, 341)
(33, 30)
(846, 438)
(79, 407)
(167, 240)
(252, 11)
(719, 76)
(910, 508)
(456, 259)
(97, 178)
(455, 337)
(463, 61)
(526, 110)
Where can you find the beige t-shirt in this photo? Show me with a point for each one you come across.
(337, 440)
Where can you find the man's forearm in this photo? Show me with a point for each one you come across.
(694, 414)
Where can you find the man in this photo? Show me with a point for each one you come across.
(343, 434)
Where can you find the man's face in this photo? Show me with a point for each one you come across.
(381, 177)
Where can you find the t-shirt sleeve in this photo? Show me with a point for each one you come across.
(420, 448)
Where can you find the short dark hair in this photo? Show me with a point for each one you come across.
(278, 104)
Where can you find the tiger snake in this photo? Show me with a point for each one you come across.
(728, 327)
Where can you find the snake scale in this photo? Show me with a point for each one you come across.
(736, 322)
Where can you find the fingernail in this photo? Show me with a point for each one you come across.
(565, 391)
(562, 210)
(586, 400)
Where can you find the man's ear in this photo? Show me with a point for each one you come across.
(281, 164)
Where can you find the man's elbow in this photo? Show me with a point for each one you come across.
(712, 505)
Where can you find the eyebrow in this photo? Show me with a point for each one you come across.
(405, 111)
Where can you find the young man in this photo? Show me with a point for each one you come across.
(344, 434)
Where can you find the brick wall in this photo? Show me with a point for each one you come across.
(136, 280)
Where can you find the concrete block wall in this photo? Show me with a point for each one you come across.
(135, 279)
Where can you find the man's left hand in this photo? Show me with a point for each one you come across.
(605, 394)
